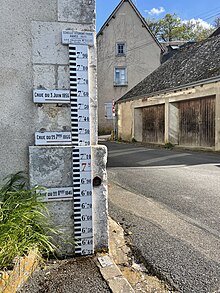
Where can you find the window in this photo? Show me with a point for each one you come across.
(120, 77)
(108, 111)
(120, 49)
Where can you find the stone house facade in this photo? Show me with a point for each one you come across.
(126, 52)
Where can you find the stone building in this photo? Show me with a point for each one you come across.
(126, 52)
(179, 102)
(33, 57)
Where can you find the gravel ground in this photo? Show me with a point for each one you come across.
(65, 276)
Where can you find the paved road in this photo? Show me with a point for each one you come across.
(170, 200)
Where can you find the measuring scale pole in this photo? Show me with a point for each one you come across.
(81, 154)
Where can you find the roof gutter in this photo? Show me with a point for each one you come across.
(184, 86)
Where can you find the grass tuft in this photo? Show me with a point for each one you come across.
(24, 221)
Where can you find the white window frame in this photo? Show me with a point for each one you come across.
(108, 111)
(122, 80)
(117, 49)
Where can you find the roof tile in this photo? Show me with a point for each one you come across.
(192, 63)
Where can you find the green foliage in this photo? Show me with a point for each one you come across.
(172, 28)
(169, 145)
(24, 221)
(194, 31)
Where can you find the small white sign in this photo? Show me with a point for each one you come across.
(105, 261)
(77, 38)
(51, 96)
(53, 138)
(57, 194)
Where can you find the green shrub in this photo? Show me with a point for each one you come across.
(133, 140)
(24, 223)
(169, 145)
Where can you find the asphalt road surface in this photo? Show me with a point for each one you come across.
(170, 201)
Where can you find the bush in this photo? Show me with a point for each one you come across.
(169, 145)
(133, 140)
(24, 221)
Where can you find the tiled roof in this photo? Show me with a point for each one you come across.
(216, 32)
(192, 63)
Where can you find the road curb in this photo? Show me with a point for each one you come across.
(23, 269)
(112, 275)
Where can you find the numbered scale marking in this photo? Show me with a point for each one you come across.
(80, 130)
(82, 190)
(79, 95)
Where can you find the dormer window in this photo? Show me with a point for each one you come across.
(120, 49)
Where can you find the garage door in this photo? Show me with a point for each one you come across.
(197, 122)
(153, 124)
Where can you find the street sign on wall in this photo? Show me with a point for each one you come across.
(53, 138)
(51, 96)
(77, 38)
(57, 194)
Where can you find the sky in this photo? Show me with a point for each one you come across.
(206, 10)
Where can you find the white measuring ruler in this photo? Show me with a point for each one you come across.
(82, 164)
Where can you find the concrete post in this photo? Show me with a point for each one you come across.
(166, 132)
(217, 120)
(173, 123)
(138, 124)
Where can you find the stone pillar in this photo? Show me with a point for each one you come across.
(173, 123)
(100, 198)
(51, 167)
(37, 59)
(217, 120)
(138, 124)
(166, 132)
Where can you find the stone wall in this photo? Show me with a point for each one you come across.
(33, 57)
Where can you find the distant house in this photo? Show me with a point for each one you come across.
(126, 52)
(179, 102)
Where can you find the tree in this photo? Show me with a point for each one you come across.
(172, 28)
(195, 31)
(217, 22)
(168, 28)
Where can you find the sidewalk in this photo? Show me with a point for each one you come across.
(98, 274)
(67, 276)
(82, 274)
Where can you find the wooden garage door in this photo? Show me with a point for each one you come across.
(197, 122)
(153, 124)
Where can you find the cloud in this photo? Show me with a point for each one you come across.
(200, 22)
(155, 11)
